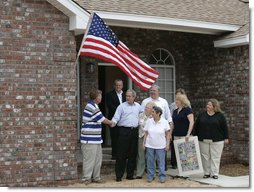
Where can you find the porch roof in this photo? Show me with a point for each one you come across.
(218, 14)
(226, 18)
(215, 11)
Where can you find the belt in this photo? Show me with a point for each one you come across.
(128, 127)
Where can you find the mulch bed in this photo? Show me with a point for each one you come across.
(234, 170)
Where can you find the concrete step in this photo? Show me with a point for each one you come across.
(108, 165)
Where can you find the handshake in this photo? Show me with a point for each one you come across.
(112, 124)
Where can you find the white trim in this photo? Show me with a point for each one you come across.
(78, 16)
(79, 19)
(163, 23)
(232, 42)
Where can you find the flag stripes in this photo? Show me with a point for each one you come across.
(105, 45)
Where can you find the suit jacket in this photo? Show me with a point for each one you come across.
(112, 102)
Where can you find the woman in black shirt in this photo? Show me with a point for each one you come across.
(212, 131)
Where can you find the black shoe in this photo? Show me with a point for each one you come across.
(130, 178)
(118, 179)
(138, 177)
(206, 176)
(215, 177)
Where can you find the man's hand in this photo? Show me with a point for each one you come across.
(170, 137)
(167, 147)
(144, 145)
(112, 124)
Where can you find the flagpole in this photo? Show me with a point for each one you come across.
(76, 66)
(85, 34)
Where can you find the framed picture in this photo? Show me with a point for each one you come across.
(188, 156)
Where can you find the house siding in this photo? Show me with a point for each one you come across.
(38, 135)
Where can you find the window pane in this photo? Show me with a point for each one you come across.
(169, 72)
(161, 83)
(170, 86)
(161, 73)
(152, 60)
(170, 98)
(168, 61)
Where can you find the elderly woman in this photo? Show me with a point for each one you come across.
(212, 131)
(91, 138)
(143, 117)
(156, 142)
(183, 118)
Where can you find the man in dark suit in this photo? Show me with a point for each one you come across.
(113, 99)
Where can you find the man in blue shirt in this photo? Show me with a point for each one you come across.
(127, 117)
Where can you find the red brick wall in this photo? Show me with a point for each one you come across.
(224, 74)
(38, 135)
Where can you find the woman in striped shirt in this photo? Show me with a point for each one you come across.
(91, 138)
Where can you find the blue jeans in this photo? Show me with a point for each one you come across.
(150, 159)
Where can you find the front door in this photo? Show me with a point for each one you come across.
(107, 74)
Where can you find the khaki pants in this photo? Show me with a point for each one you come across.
(92, 159)
(141, 159)
(178, 137)
(211, 155)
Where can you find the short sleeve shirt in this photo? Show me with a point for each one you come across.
(156, 137)
(181, 121)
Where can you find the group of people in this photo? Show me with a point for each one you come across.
(142, 134)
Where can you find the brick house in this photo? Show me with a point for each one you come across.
(200, 46)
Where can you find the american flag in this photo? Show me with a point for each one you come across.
(101, 42)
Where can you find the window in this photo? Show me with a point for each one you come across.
(163, 61)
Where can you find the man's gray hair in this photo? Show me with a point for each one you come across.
(156, 87)
(132, 91)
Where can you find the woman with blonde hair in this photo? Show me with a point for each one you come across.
(183, 118)
(212, 131)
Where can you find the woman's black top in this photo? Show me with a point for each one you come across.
(212, 127)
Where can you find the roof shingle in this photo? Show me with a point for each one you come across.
(216, 11)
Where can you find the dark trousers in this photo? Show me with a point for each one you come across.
(127, 147)
(173, 154)
(114, 136)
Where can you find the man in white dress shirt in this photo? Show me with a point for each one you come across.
(160, 102)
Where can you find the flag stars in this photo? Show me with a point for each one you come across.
(100, 29)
